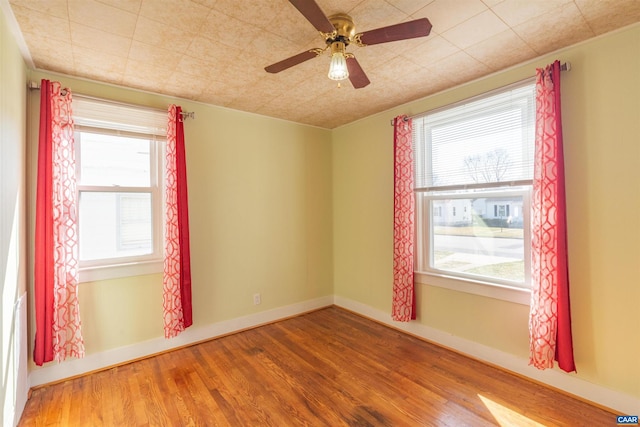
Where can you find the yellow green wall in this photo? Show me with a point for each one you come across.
(12, 214)
(601, 119)
(260, 217)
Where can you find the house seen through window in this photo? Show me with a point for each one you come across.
(473, 167)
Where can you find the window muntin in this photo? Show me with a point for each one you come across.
(473, 166)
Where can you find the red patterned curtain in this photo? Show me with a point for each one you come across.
(404, 302)
(177, 263)
(58, 326)
(550, 316)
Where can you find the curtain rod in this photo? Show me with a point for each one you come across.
(185, 114)
(565, 66)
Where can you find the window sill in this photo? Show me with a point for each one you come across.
(115, 271)
(486, 289)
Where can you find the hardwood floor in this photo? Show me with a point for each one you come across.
(326, 368)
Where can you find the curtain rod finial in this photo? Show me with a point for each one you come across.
(188, 115)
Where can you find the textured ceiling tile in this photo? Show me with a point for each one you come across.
(303, 115)
(132, 6)
(435, 49)
(140, 75)
(492, 3)
(41, 24)
(432, 83)
(155, 57)
(303, 92)
(460, 68)
(400, 67)
(99, 41)
(411, 6)
(606, 15)
(259, 13)
(271, 48)
(371, 57)
(198, 68)
(229, 88)
(515, 12)
(395, 93)
(183, 14)
(207, 3)
(218, 88)
(67, 68)
(207, 49)
(184, 85)
(57, 8)
(312, 71)
(51, 54)
(501, 51)
(373, 14)
(154, 33)
(241, 72)
(284, 103)
(140, 82)
(475, 29)
(236, 78)
(290, 24)
(228, 30)
(49, 51)
(331, 7)
(280, 110)
(238, 99)
(109, 69)
(415, 45)
(446, 14)
(560, 27)
(103, 17)
(426, 82)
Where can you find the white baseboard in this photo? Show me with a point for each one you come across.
(569, 383)
(93, 362)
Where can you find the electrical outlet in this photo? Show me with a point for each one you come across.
(256, 299)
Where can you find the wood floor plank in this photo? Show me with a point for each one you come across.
(329, 367)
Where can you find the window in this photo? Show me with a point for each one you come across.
(119, 173)
(473, 167)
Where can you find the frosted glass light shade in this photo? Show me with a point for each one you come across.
(338, 67)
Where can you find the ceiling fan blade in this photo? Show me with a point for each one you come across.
(294, 60)
(315, 15)
(356, 74)
(406, 30)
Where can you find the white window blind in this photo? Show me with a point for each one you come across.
(102, 114)
(483, 143)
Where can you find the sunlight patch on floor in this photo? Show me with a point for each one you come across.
(505, 416)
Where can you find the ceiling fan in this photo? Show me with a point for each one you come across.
(338, 32)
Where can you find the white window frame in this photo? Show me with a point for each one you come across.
(425, 273)
(112, 268)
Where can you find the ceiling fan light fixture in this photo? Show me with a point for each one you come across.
(338, 68)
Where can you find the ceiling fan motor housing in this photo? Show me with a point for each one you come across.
(345, 29)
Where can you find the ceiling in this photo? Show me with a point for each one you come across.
(215, 51)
